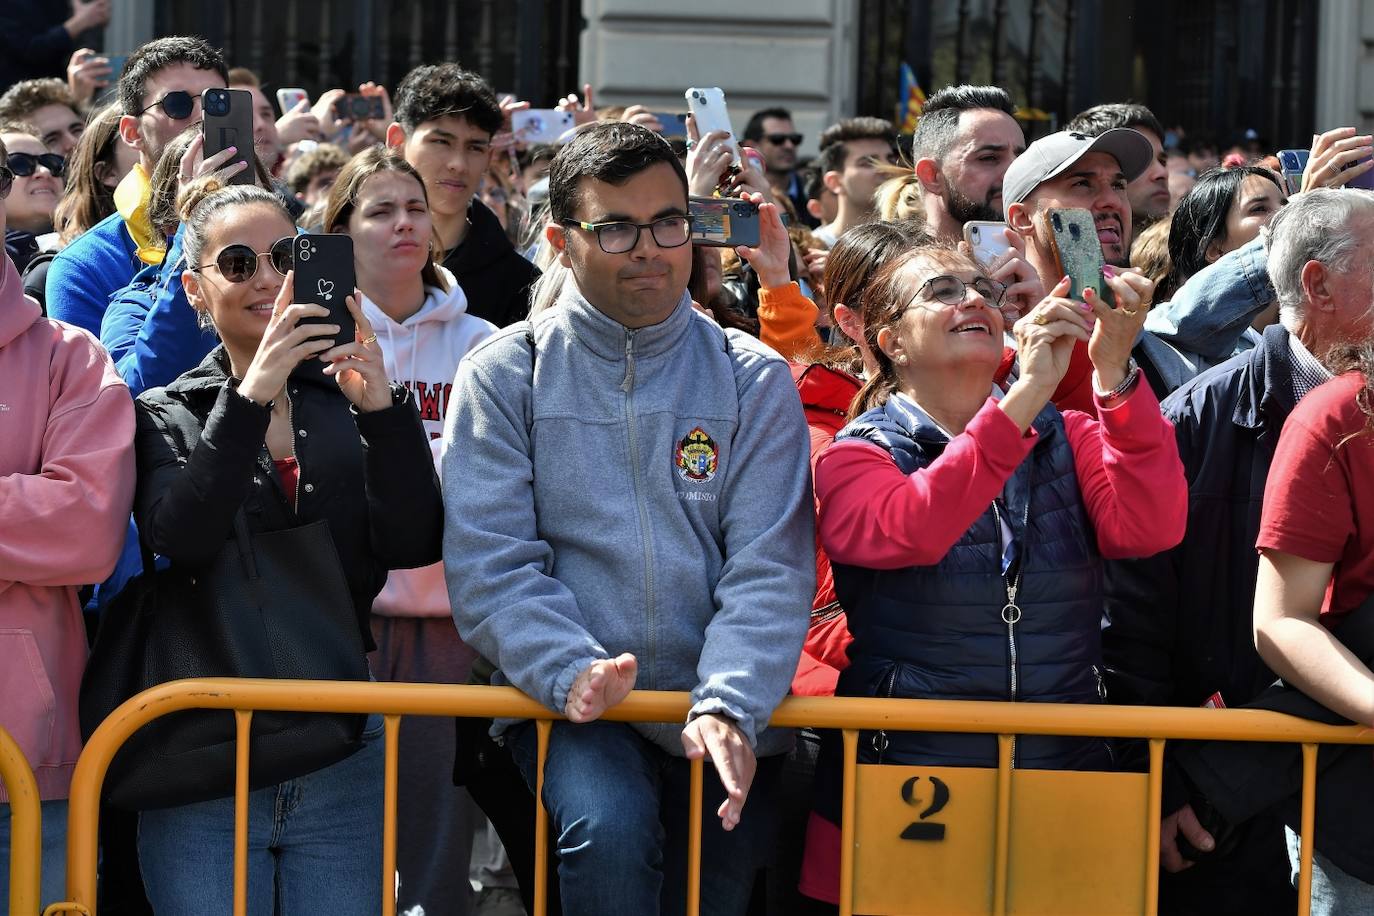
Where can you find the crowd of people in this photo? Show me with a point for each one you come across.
(552, 443)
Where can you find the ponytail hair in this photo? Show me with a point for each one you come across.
(899, 198)
(202, 200)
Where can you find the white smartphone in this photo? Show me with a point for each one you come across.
(289, 98)
(540, 125)
(988, 240)
(709, 112)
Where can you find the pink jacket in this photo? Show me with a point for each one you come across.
(66, 490)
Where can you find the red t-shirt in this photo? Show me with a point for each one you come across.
(1319, 498)
(290, 475)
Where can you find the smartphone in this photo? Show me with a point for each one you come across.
(1079, 253)
(110, 91)
(324, 276)
(355, 107)
(723, 222)
(1365, 181)
(288, 99)
(673, 124)
(988, 240)
(229, 122)
(1293, 162)
(540, 125)
(708, 110)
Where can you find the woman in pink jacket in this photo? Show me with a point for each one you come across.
(66, 489)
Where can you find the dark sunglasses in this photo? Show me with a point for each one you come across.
(177, 105)
(6, 182)
(25, 164)
(239, 263)
(780, 139)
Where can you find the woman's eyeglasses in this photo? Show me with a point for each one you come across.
(953, 291)
(177, 105)
(25, 164)
(239, 263)
(618, 238)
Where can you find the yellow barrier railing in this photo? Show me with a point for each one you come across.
(848, 715)
(26, 826)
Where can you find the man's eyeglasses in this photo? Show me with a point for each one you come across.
(780, 139)
(618, 238)
(953, 291)
(239, 263)
(25, 164)
(6, 182)
(177, 105)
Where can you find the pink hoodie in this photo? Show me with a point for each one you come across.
(66, 490)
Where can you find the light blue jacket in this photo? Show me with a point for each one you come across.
(649, 493)
(1207, 320)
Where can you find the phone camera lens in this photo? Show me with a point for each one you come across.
(1058, 224)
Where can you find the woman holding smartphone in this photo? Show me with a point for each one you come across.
(967, 527)
(420, 316)
(282, 424)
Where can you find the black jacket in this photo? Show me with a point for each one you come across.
(493, 275)
(1178, 625)
(202, 455)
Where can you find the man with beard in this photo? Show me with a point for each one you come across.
(1072, 170)
(771, 132)
(1149, 193)
(963, 144)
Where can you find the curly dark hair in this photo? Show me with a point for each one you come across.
(159, 54)
(433, 91)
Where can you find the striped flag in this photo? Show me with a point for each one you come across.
(910, 100)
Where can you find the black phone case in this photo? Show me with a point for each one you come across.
(232, 128)
(723, 222)
(324, 276)
(344, 107)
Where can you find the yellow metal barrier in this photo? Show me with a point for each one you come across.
(26, 830)
(867, 869)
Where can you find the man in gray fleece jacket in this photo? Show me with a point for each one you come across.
(628, 503)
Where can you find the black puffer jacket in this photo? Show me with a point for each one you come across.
(201, 456)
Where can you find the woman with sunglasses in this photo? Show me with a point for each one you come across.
(420, 315)
(34, 176)
(967, 526)
(282, 424)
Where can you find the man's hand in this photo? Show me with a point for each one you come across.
(582, 110)
(1182, 821)
(732, 757)
(770, 258)
(87, 72)
(87, 14)
(300, 123)
(601, 685)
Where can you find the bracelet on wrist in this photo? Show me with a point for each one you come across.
(1120, 391)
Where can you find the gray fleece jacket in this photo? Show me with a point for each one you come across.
(648, 493)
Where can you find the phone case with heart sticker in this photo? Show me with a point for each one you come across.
(324, 276)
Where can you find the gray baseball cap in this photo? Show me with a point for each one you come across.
(1049, 156)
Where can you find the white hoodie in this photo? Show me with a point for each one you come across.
(422, 353)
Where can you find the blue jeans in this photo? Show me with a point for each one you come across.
(314, 845)
(618, 808)
(54, 877)
(1333, 891)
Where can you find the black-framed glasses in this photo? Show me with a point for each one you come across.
(177, 105)
(239, 263)
(6, 182)
(780, 139)
(953, 291)
(25, 164)
(618, 238)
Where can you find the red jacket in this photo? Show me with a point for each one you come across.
(826, 395)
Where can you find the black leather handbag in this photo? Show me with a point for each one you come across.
(272, 605)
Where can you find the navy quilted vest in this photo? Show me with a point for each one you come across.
(938, 631)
